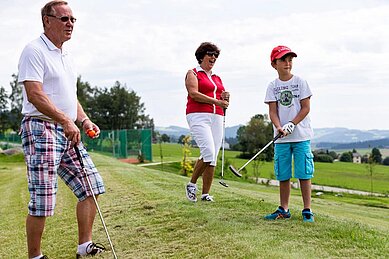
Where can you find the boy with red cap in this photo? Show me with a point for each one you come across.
(288, 98)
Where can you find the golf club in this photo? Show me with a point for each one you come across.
(237, 172)
(94, 198)
(223, 141)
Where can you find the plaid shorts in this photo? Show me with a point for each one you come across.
(48, 153)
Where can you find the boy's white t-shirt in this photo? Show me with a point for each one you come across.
(288, 95)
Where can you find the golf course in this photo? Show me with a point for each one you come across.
(148, 216)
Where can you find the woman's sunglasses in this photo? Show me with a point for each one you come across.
(212, 53)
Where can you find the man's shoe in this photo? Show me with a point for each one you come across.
(308, 216)
(92, 250)
(207, 198)
(280, 213)
(44, 257)
(191, 192)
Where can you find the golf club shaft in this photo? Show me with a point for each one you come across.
(94, 198)
(260, 151)
(223, 141)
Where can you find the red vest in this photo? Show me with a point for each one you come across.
(208, 88)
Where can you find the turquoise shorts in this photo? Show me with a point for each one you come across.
(302, 158)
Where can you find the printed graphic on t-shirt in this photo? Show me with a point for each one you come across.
(286, 98)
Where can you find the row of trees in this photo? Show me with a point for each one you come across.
(374, 157)
(11, 106)
(111, 108)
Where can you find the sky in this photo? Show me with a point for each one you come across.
(342, 48)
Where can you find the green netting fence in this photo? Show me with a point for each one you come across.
(126, 143)
(10, 138)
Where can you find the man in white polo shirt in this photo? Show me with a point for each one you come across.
(49, 131)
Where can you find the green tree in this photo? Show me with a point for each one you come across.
(376, 156)
(84, 94)
(333, 154)
(118, 108)
(3, 110)
(165, 138)
(386, 161)
(180, 139)
(255, 135)
(16, 102)
(346, 157)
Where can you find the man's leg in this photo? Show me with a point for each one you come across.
(285, 194)
(34, 230)
(208, 178)
(305, 186)
(86, 212)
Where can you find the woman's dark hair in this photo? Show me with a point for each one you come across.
(203, 49)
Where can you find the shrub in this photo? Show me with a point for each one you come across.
(346, 157)
(386, 161)
(323, 158)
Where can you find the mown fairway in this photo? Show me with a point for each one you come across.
(148, 216)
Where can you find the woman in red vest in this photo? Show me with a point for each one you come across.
(207, 100)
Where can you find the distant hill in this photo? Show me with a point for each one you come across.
(323, 137)
(172, 131)
(344, 135)
(176, 131)
(381, 143)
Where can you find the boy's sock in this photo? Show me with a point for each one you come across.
(37, 257)
(81, 250)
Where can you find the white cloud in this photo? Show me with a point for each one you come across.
(342, 49)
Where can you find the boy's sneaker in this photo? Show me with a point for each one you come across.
(92, 250)
(191, 190)
(308, 215)
(44, 257)
(207, 197)
(280, 213)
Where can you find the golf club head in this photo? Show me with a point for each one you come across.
(223, 183)
(234, 171)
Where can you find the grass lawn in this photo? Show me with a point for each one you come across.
(148, 216)
(337, 174)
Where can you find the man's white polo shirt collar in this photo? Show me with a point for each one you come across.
(51, 45)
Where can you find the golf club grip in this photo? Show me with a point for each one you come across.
(79, 155)
(224, 111)
(277, 137)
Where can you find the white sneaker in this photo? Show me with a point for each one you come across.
(92, 250)
(207, 197)
(191, 190)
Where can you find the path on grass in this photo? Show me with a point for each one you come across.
(320, 188)
(295, 185)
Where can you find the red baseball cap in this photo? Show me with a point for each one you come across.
(280, 51)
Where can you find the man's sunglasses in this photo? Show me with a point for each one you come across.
(212, 53)
(64, 18)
